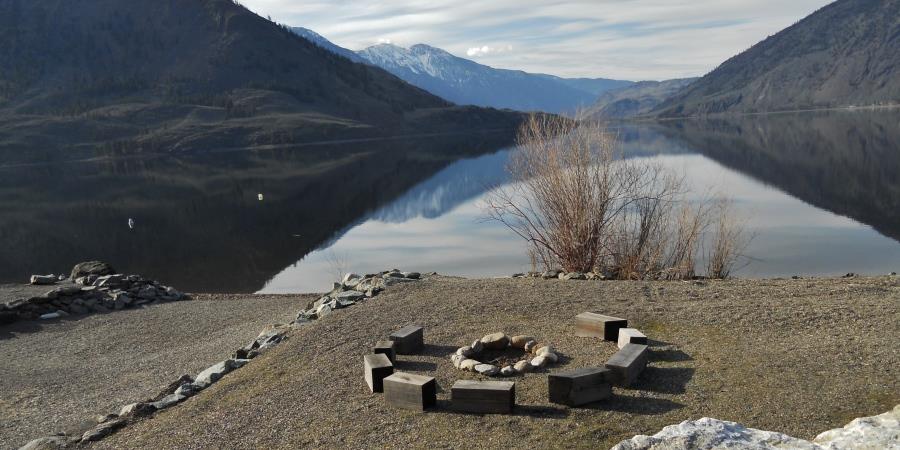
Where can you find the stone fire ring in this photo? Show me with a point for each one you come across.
(537, 355)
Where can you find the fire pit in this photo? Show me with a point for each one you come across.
(497, 354)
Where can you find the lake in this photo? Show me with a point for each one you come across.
(820, 192)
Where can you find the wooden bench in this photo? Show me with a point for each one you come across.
(579, 387)
(377, 368)
(388, 348)
(408, 340)
(631, 336)
(627, 364)
(408, 391)
(483, 397)
(590, 324)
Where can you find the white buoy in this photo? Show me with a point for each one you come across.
(131, 223)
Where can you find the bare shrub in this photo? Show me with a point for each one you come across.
(729, 240)
(583, 207)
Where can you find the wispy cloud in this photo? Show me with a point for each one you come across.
(631, 39)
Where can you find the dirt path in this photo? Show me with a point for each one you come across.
(57, 375)
(796, 356)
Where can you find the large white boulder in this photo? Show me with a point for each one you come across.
(881, 432)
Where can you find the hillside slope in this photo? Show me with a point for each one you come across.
(637, 99)
(844, 54)
(186, 74)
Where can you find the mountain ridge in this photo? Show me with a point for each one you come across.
(842, 55)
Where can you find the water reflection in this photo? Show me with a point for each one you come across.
(813, 187)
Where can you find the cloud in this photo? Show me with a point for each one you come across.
(475, 52)
(628, 39)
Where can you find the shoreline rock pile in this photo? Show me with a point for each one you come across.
(95, 287)
(352, 289)
(563, 275)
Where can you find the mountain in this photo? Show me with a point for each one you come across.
(466, 82)
(106, 77)
(637, 99)
(320, 40)
(842, 55)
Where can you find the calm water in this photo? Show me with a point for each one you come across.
(820, 192)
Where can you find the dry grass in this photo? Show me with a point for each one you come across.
(580, 205)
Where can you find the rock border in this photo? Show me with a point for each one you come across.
(465, 357)
(344, 294)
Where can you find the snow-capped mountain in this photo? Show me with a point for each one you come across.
(319, 40)
(466, 82)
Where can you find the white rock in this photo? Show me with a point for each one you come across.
(508, 371)
(538, 362)
(469, 364)
(866, 433)
(550, 357)
(544, 350)
(487, 369)
(709, 434)
(215, 372)
(522, 367)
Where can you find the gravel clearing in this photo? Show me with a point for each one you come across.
(57, 375)
(794, 356)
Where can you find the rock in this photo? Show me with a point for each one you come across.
(188, 389)
(43, 280)
(47, 443)
(106, 418)
(139, 409)
(881, 432)
(49, 316)
(495, 341)
(465, 352)
(323, 311)
(708, 434)
(538, 362)
(350, 280)
(102, 430)
(456, 359)
(469, 364)
(550, 357)
(97, 268)
(215, 372)
(487, 370)
(530, 345)
(518, 275)
(520, 341)
(168, 401)
(508, 371)
(351, 296)
(477, 346)
(550, 274)
(412, 275)
(522, 367)
(543, 349)
(573, 276)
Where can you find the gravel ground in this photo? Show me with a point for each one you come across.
(795, 356)
(57, 375)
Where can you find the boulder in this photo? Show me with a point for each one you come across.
(139, 409)
(520, 341)
(488, 370)
(522, 367)
(46, 443)
(168, 401)
(469, 364)
(708, 434)
(538, 362)
(350, 296)
(43, 280)
(97, 268)
(508, 371)
(881, 431)
(102, 430)
(495, 341)
(217, 371)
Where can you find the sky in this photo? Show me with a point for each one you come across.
(622, 39)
